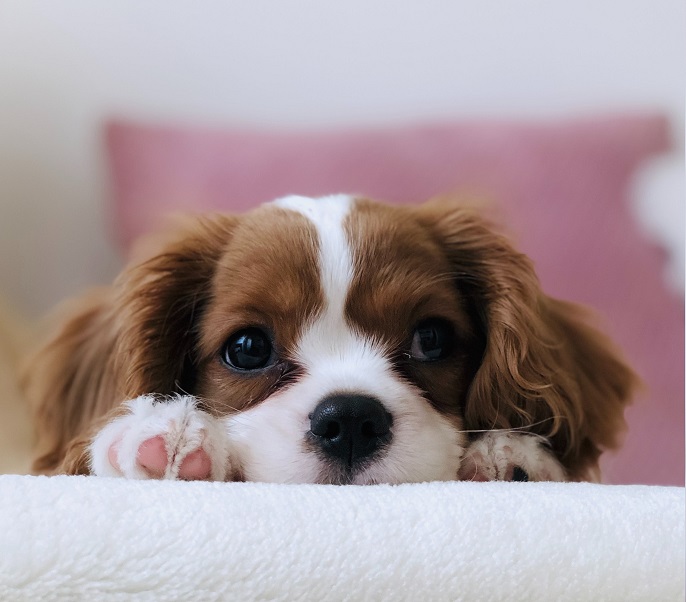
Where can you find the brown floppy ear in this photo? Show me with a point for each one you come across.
(70, 378)
(544, 368)
(116, 343)
(160, 301)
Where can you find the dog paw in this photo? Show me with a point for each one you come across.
(507, 456)
(162, 439)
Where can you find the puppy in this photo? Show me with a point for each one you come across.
(332, 340)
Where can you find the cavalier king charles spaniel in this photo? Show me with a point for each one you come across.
(332, 340)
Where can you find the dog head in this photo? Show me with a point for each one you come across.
(353, 342)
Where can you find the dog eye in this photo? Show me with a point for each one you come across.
(433, 340)
(248, 349)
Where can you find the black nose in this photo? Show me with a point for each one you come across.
(350, 427)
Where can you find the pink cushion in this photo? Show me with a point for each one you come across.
(561, 186)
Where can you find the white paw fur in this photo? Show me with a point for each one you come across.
(494, 455)
(181, 425)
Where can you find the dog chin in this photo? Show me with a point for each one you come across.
(373, 474)
(364, 472)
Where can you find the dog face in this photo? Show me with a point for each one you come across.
(336, 337)
(345, 341)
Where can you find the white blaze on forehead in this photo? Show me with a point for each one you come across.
(330, 332)
(335, 262)
(335, 354)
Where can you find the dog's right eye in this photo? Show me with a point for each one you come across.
(432, 340)
(248, 349)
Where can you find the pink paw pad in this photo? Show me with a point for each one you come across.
(471, 470)
(196, 466)
(153, 458)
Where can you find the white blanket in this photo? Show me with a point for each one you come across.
(78, 538)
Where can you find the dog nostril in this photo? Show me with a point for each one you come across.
(333, 429)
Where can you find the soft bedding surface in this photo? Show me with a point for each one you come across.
(110, 539)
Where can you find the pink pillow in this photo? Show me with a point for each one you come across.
(561, 188)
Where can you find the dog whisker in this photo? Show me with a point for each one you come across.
(514, 429)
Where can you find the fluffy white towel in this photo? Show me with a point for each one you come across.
(107, 539)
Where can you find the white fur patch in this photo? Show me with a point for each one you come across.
(270, 438)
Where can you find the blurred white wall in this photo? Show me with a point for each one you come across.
(66, 65)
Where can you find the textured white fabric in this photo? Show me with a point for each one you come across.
(71, 538)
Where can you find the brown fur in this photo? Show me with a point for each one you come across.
(544, 368)
(402, 277)
(528, 361)
(270, 280)
(119, 342)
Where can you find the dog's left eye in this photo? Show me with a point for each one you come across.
(248, 349)
(433, 340)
